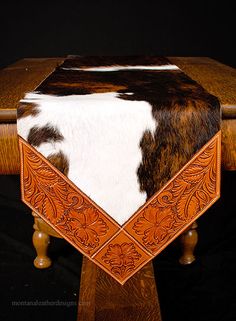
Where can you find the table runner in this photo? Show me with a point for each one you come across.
(119, 155)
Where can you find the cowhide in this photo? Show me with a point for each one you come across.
(118, 127)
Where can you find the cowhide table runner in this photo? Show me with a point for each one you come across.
(119, 155)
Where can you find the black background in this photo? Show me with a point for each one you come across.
(171, 28)
(206, 289)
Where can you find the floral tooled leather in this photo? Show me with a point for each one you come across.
(62, 205)
(122, 257)
(121, 250)
(181, 201)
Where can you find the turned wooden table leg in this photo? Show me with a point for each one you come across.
(188, 243)
(41, 241)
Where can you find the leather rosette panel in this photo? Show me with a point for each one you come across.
(119, 155)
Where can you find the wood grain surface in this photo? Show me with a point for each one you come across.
(15, 80)
(229, 144)
(104, 299)
(217, 78)
(9, 150)
(19, 78)
(86, 303)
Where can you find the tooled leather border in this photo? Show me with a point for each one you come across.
(121, 250)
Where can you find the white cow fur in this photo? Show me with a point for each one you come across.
(118, 68)
(102, 135)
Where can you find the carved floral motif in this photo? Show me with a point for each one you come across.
(87, 226)
(179, 202)
(154, 225)
(121, 258)
(57, 201)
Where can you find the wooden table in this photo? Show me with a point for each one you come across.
(101, 297)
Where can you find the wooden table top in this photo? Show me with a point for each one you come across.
(26, 74)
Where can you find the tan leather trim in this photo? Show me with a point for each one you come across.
(121, 250)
